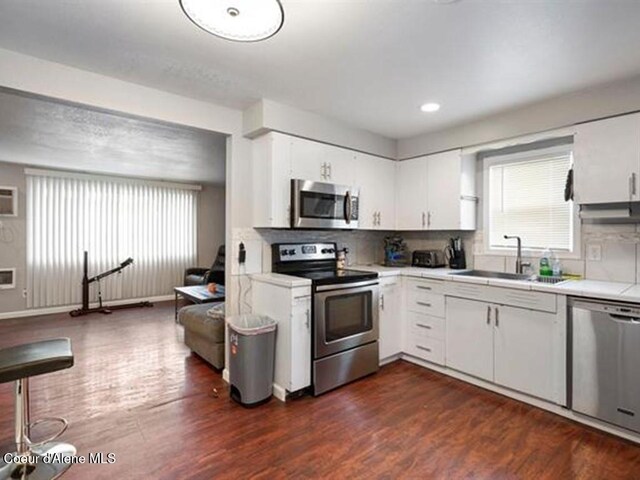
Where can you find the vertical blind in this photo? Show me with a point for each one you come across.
(112, 219)
(526, 198)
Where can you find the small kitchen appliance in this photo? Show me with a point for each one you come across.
(344, 313)
(455, 254)
(428, 259)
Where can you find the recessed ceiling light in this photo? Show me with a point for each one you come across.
(430, 107)
(237, 20)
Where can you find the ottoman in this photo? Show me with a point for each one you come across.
(203, 334)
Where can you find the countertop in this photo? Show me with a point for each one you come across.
(625, 292)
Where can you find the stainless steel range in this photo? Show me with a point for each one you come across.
(345, 313)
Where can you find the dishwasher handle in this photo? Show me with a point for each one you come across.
(625, 318)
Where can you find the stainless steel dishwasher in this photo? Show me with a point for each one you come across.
(605, 366)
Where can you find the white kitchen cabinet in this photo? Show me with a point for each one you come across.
(469, 337)
(376, 179)
(271, 181)
(524, 350)
(411, 194)
(291, 308)
(424, 320)
(320, 162)
(451, 200)
(390, 319)
(436, 192)
(607, 160)
(300, 376)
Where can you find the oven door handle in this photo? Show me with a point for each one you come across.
(346, 286)
(347, 207)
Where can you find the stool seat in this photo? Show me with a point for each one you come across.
(35, 358)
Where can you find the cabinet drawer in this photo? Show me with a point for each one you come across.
(425, 326)
(545, 302)
(429, 349)
(426, 303)
(419, 285)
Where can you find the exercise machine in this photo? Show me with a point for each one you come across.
(86, 281)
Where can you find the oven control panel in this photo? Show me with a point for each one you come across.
(298, 252)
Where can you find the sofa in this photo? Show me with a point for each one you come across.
(204, 334)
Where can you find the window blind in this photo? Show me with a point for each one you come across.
(112, 220)
(526, 198)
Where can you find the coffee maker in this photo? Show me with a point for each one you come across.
(455, 254)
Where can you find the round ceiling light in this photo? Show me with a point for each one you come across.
(430, 107)
(237, 20)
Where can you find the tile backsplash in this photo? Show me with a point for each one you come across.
(614, 249)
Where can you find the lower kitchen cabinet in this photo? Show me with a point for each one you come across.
(524, 350)
(390, 318)
(510, 346)
(469, 337)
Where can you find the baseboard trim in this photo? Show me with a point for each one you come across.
(536, 402)
(34, 312)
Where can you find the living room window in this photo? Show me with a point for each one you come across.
(112, 219)
(524, 196)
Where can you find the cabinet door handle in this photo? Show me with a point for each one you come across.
(421, 287)
(426, 349)
(632, 185)
(382, 302)
(424, 219)
(422, 325)
(307, 322)
(424, 304)
(497, 317)
(489, 315)
(429, 220)
(329, 168)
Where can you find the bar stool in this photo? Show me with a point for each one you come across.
(34, 460)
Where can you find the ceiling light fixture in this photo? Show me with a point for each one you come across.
(237, 20)
(430, 107)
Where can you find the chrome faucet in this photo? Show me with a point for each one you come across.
(519, 264)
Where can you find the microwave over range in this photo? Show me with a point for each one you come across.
(323, 205)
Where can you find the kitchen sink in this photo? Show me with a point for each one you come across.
(509, 276)
(489, 274)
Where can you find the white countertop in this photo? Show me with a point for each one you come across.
(628, 292)
(281, 280)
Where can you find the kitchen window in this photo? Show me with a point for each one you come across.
(524, 196)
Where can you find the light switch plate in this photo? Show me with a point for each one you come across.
(594, 252)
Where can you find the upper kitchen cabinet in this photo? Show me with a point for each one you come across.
(411, 194)
(271, 181)
(320, 162)
(607, 160)
(436, 192)
(376, 178)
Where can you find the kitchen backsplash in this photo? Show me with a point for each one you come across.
(609, 252)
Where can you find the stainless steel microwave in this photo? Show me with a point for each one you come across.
(323, 205)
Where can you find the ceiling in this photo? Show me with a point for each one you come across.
(368, 63)
(45, 133)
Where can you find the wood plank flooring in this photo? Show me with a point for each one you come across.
(137, 391)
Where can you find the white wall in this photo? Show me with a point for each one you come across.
(267, 115)
(611, 99)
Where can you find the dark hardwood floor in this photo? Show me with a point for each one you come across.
(137, 391)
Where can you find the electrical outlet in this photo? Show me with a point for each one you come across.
(594, 252)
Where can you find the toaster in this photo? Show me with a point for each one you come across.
(428, 258)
